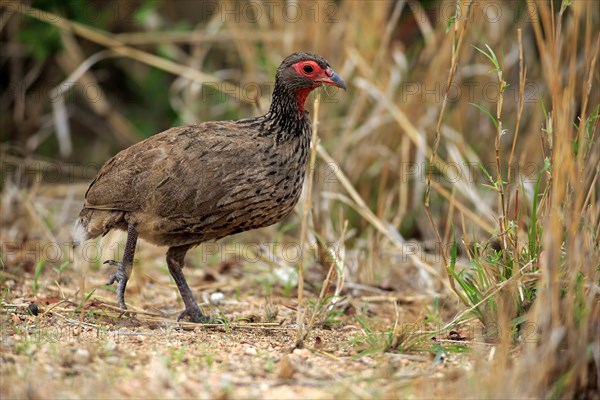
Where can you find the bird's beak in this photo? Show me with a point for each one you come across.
(333, 79)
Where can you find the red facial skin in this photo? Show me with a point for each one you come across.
(318, 75)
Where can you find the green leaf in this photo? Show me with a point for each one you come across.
(36, 275)
(491, 56)
(450, 22)
(486, 112)
(87, 298)
(453, 250)
(543, 106)
(532, 234)
(487, 175)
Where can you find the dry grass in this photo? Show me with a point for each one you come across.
(474, 210)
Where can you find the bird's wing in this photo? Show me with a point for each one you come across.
(122, 179)
(177, 173)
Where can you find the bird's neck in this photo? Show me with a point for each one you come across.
(287, 112)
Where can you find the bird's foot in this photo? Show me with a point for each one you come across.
(194, 314)
(120, 276)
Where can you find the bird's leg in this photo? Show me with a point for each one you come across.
(121, 276)
(175, 261)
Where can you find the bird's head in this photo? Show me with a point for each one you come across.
(301, 73)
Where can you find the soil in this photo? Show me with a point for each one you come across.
(80, 345)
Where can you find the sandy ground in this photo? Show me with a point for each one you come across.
(75, 348)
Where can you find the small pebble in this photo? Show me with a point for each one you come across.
(140, 338)
(113, 360)
(319, 342)
(286, 367)
(251, 351)
(33, 309)
(216, 298)
(302, 353)
(82, 356)
(110, 345)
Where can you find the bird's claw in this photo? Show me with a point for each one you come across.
(120, 276)
(194, 315)
(117, 276)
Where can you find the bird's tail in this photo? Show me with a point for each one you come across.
(79, 234)
(93, 223)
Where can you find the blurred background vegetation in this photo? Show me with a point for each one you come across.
(514, 179)
(54, 108)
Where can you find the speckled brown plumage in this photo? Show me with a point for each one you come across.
(201, 182)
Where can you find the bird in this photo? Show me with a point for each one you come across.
(195, 183)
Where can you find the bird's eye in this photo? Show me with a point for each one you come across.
(308, 69)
